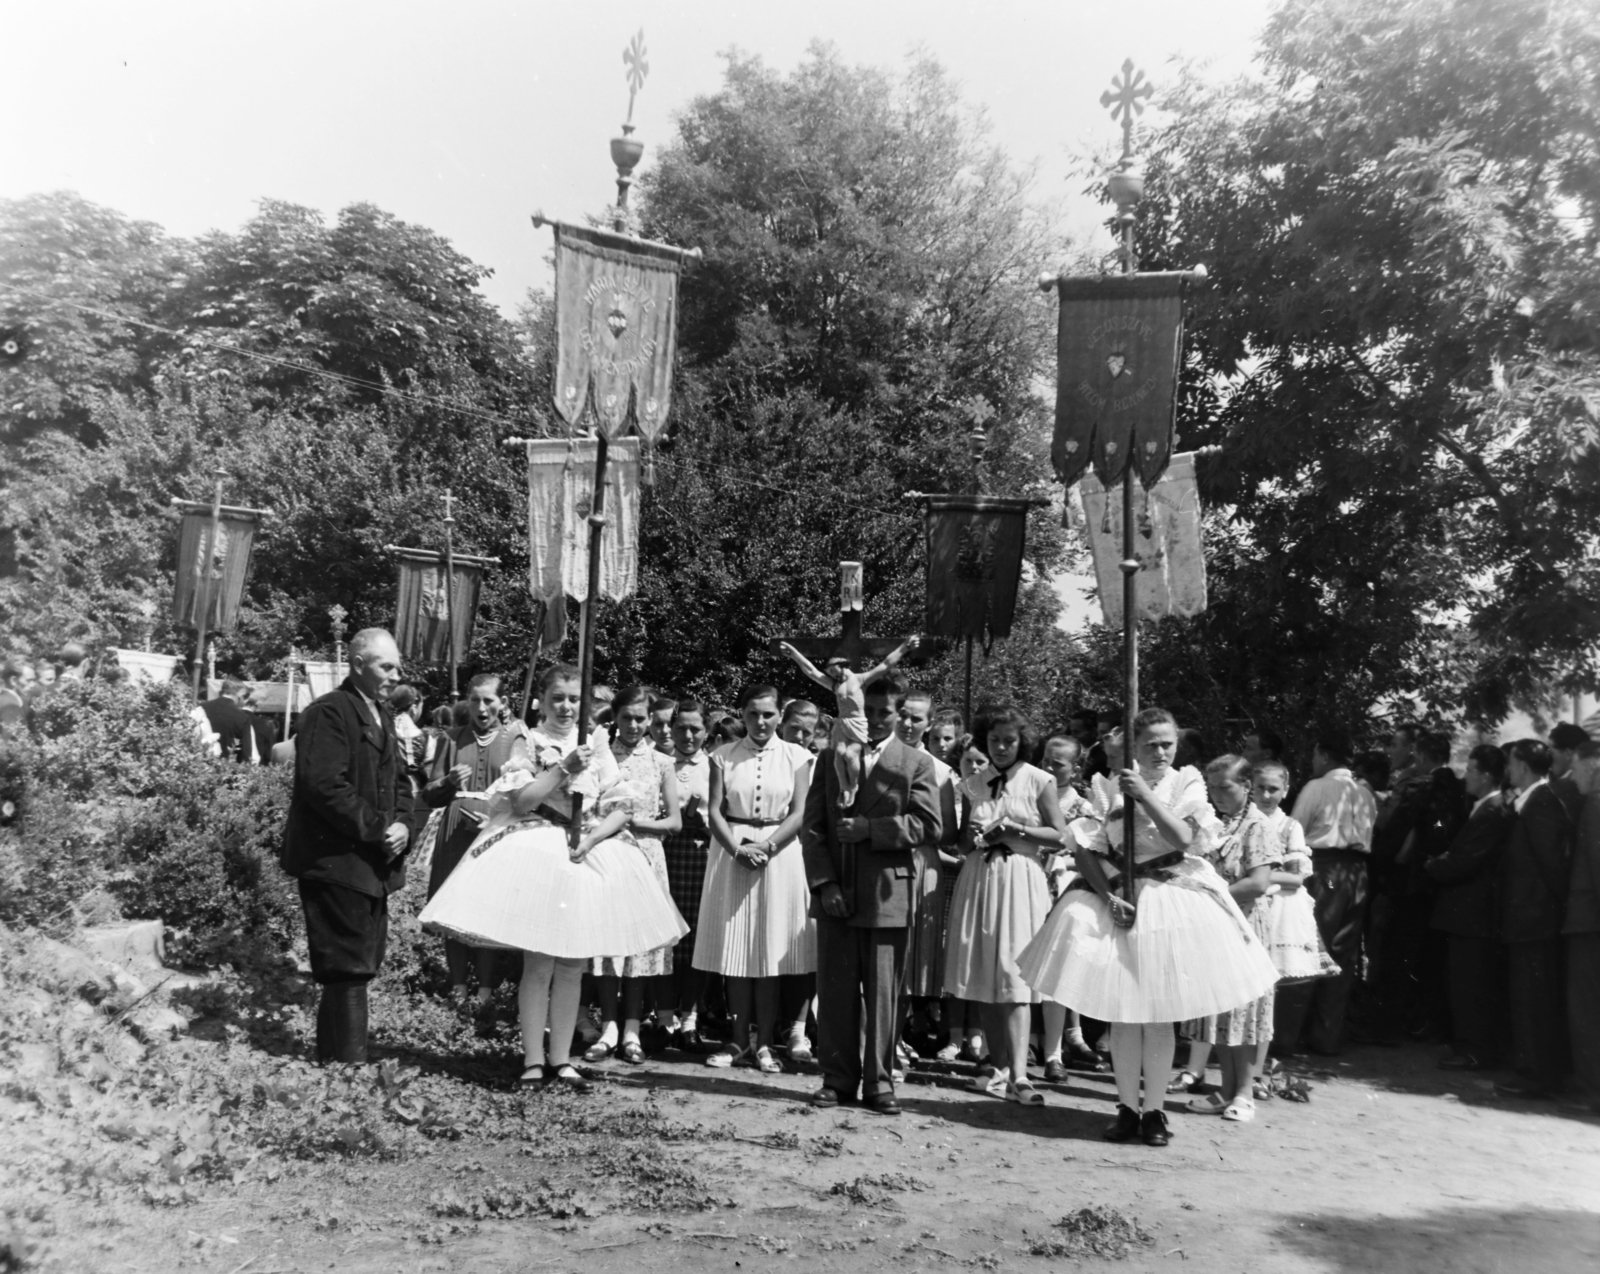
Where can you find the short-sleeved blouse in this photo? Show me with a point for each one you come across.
(1291, 841)
(1183, 791)
(758, 782)
(546, 751)
(639, 784)
(1244, 842)
(1013, 795)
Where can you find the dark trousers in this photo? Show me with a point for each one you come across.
(1537, 1010)
(856, 966)
(347, 933)
(1339, 887)
(1583, 1011)
(1477, 986)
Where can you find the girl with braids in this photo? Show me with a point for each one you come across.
(1181, 950)
(520, 885)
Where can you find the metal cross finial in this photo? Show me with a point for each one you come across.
(448, 511)
(634, 58)
(1125, 102)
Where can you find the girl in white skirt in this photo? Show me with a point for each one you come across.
(755, 921)
(1183, 950)
(520, 886)
(1002, 896)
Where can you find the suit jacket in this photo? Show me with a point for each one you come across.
(347, 791)
(1468, 873)
(1533, 874)
(233, 727)
(900, 801)
(1583, 896)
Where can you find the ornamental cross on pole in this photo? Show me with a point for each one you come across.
(633, 58)
(1125, 102)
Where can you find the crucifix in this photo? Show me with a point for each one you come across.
(849, 644)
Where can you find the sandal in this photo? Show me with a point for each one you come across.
(800, 1048)
(631, 1051)
(1024, 1094)
(599, 1052)
(727, 1057)
(1241, 1110)
(994, 1084)
(766, 1063)
(949, 1053)
(1182, 1082)
(533, 1075)
(1208, 1105)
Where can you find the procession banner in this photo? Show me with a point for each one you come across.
(975, 546)
(1118, 349)
(226, 571)
(560, 495)
(422, 609)
(616, 329)
(1172, 567)
(324, 676)
(145, 667)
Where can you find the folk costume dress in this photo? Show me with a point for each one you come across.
(518, 887)
(1190, 952)
(1242, 843)
(755, 922)
(687, 849)
(1289, 920)
(638, 790)
(1001, 896)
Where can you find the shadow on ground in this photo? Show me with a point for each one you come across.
(1450, 1241)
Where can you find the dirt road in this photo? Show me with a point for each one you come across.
(1392, 1166)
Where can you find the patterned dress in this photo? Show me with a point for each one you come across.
(687, 849)
(1245, 841)
(756, 922)
(638, 790)
(1001, 895)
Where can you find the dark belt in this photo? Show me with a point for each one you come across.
(552, 815)
(1150, 869)
(751, 822)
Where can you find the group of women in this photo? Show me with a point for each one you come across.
(617, 859)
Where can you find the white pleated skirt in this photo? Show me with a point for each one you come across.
(523, 891)
(998, 905)
(1190, 954)
(755, 922)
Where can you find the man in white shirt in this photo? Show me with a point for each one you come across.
(1337, 814)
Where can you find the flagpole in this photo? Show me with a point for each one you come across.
(202, 590)
(450, 593)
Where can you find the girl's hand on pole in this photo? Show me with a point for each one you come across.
(1122, 911)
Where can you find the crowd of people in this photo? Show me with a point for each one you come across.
(781, 884)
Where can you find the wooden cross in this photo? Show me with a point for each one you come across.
(849, 644)
(1124, 102)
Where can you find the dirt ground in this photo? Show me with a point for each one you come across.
(1393, 1165)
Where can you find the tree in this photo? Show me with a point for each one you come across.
(1397, 353)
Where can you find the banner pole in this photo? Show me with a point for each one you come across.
(449, 593)
(202, 590)
(966, 700)
(288, 704)
(597, 523)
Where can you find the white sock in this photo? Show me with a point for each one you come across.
(608, 1034)
(1156, 1062)
(533, 1005)
(630, 1029)
(1126, 1057)
(565, 991)
(689, 1022)
(667, 1019)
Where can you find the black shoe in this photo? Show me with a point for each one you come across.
(1153, 1128)
(1126, 1127)
(567, 1076)
(826, 1098)
(1055, 1072)
(883, 1104)
(1086, 1059)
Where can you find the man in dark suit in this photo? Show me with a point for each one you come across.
(345, 838)
(231, 724)
(860, 868)
(1582, 930)
(1565, 740)
(1533, 900)
(1466, 912)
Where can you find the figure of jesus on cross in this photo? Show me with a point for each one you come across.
(849, 735)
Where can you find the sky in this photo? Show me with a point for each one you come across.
(466, 118)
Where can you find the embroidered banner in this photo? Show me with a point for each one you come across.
(975, 546)
(560, 495)
(324, 676)
(424, 614)
(616, 329)
(1172, 565)
(223, 575)
(1118, 349)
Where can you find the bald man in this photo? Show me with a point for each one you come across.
(346, 838)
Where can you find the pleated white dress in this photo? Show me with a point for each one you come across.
(1191, 952)
(517, 886)
(756, 922)
(1000, 899)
